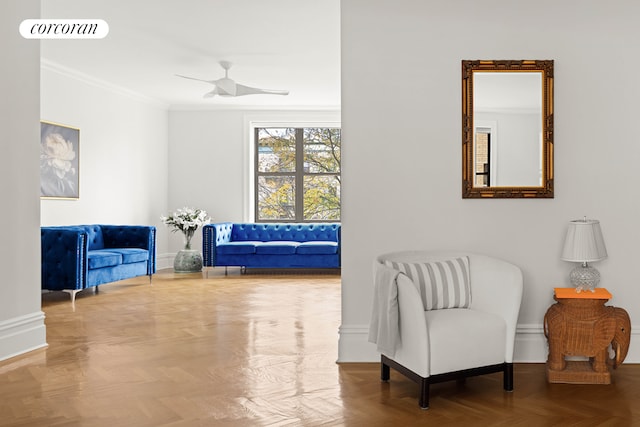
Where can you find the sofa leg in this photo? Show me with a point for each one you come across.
(150, 279)
(72, 293)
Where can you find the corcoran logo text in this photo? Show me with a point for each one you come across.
(64, 29)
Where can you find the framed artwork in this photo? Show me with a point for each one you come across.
(59, 161)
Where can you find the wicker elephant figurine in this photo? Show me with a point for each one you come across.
(580, 331)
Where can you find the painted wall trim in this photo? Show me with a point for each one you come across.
(282, 118)
(22, 334)
(164, 261)
(530, 347)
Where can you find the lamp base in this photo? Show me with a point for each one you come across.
(585, 278)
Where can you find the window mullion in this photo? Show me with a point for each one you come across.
(256, 175)
(299, 174)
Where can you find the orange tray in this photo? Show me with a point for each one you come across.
(600, 293)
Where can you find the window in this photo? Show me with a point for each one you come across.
(482, 152)
(297, 172)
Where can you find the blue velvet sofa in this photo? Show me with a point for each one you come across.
(78, 257)
(271, 245)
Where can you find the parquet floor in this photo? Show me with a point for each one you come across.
(256, 350)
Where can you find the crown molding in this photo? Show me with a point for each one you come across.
(211, 107)
(48, 65)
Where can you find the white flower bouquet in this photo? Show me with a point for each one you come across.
(186, 220)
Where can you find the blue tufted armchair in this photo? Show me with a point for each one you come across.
(78, 257)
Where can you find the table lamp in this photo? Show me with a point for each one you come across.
(584, 244)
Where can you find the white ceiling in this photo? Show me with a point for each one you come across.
(273, 44)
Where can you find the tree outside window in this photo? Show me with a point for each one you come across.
(297, 174)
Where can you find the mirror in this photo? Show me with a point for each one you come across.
(507, 129)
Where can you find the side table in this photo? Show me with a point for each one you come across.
(580, 324)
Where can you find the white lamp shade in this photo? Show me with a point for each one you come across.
(584, 242)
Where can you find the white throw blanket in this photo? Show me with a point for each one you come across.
(384, 329)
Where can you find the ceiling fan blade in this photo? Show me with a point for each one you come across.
(227, 87)
(194, 78)
(248, 90)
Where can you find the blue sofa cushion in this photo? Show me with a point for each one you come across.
(132, 255)
(101, 259)
(237, 248)
(317, 248)
(277, 248)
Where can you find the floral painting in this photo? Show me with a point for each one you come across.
(59, 161)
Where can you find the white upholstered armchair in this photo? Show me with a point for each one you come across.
(440, 316)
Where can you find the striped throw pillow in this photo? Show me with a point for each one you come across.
(442, 284)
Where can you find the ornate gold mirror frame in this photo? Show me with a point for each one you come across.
(500, 102)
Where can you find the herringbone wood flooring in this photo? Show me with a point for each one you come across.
(256, 350)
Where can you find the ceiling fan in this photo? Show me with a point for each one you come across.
(227, 87)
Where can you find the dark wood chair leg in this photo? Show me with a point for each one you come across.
(508, 376)
(424, 393)
(384, 372)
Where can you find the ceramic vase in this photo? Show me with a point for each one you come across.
(188, 260)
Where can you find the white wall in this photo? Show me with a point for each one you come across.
(401, 109)
(123, 152)
(22, 325)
